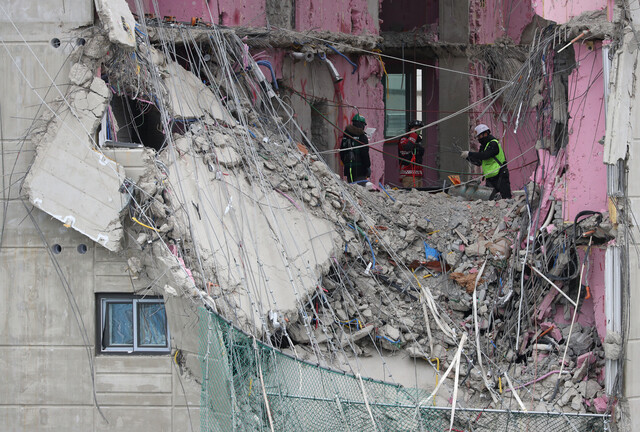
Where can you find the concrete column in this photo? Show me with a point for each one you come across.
(453, 88)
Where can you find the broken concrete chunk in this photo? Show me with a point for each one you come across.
(80, 74)
(362, 333)
(135, 265)
(228, 157)
(476, 249)
(391, 332)
(612, 345)
(171, 291)
(189, 98)
(121, 25)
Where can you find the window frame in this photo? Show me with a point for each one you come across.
(103, 300)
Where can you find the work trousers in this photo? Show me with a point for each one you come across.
(411, 182)
(500, 184)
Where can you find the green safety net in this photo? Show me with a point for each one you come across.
(249, 386)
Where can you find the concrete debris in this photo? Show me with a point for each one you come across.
(612, 345)
(117, 17)
(189, 98)
(72, 181)
(230, 213)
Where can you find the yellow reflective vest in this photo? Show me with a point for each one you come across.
(491, 166)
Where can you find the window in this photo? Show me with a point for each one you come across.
(395, 119)
(132, 324)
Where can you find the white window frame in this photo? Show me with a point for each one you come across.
(135, 348)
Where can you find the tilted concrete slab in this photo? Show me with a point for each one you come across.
(72, 182)
(190, 98)
(117, 16)
(238, 222)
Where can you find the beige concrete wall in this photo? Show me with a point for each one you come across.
(631, 371)
(46, 382)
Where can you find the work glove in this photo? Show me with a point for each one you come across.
(464, 154)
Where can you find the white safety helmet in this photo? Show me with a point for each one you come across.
(481, 128)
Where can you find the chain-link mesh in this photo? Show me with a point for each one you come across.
(248, 386)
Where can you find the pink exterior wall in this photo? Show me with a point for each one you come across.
(493, 19)
(362, 89)
(563, 11)
(329, 15)
(584, 184)
(586, 177)
(518, 147)
(224, 12)
(591, 312)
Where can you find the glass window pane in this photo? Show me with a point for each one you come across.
(395, 120)
(152, 325)
(419, 93)
(119, 324)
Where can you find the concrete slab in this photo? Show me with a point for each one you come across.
(633, 165)
(134, 161)
(117, 17)
(634, 295)
(190, 98)
(237, 213)
(73, 183)
(634, 407)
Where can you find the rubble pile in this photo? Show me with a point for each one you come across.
(400, 273)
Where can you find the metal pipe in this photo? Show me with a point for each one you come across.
(273, 74)
(335, 75)
(263, 82)
(306, 56)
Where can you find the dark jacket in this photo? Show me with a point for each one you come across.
(356, 162)
(488, 149)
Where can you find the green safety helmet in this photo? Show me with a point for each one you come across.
(358, 118)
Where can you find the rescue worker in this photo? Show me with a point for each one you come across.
(354, 151)
(409, 149)
(493, 161)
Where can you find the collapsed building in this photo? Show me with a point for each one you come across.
(178, 181)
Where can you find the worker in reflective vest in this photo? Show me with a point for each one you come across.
(493, 161)
(410, 152)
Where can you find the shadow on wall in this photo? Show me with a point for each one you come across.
(323, 133)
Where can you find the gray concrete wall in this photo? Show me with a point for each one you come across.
(453, 134)
(453, 88)
(46, 379)
(454, 21)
